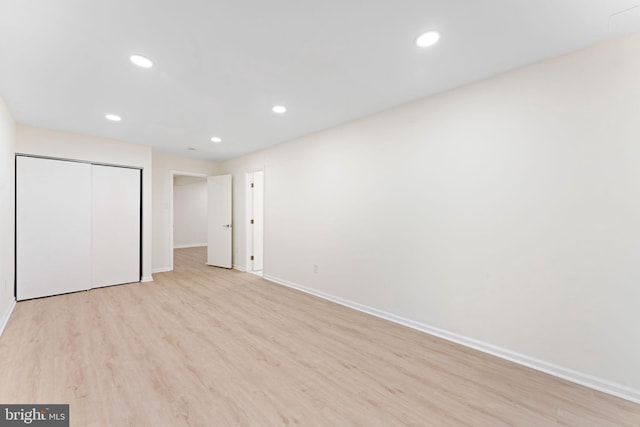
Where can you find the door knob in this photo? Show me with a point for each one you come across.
(226, 225)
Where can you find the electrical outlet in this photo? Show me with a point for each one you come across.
(315, 268)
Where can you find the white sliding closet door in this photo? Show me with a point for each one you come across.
(53, 227)
(115, 225)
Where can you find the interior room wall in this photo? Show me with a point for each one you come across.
(7, 206)
(163, 166)
(66, 145)
(503, 214)
(189, 212)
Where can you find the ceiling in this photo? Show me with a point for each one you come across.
(221, 65)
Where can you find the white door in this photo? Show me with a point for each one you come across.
(115, 225)
(257, 219)
(219, 219)
(53, 227)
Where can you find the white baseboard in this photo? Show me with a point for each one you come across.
(586, 380)
(147, 279)
(7, 314)
(197, 245)
(239, 268)
(161, 270)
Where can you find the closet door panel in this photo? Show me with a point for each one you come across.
(53, 227)
(115, 226)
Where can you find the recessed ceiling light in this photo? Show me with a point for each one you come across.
(216, 139)
(113, 117)
(141, 61)
(428, 39)
(279, 109)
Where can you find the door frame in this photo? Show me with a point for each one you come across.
(172, 174)
(249, 214)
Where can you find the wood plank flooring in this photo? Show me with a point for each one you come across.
(203, 346)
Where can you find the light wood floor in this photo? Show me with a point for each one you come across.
(202, 346)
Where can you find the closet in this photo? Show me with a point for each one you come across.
(77, 226)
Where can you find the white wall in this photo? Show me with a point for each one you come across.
(163, 167)
(507, 211)
(189, 214)
(50, 143)
(7, 205)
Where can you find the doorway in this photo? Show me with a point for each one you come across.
(188, 211)
(255, 220)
